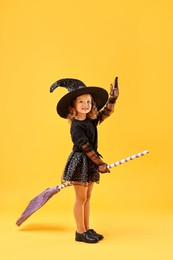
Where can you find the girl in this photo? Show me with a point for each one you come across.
(82, 107)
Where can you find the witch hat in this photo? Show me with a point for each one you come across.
(77, 88)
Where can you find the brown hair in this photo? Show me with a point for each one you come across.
(72, 111)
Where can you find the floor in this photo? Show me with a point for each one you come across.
(129, 235)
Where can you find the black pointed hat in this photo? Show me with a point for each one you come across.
(77, 88)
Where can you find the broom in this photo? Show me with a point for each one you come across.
(37, 202)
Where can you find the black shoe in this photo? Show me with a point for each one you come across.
(86, 237)
(93, 233)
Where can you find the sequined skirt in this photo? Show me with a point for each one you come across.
(80, 168)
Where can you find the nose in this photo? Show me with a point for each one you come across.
(85, 104)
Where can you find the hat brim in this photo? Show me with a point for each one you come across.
(99, 95)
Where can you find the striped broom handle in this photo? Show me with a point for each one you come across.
(137, 155)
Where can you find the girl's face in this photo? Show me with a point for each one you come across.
(83, 105)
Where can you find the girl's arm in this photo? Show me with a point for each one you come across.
(109, 107)
(81, 141)
(94, 157)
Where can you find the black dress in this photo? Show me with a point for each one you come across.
(79, 167)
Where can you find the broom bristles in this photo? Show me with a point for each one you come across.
(36, 203)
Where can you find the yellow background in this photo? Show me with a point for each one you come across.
(94, 41)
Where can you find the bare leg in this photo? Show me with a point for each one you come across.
(79, 207)
(87, 206)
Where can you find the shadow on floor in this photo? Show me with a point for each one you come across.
(43, 227)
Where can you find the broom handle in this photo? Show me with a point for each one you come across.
(137, 155)
(60, 187)
(134, 156)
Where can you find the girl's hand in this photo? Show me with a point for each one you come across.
(114, 91)
(103, 168)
